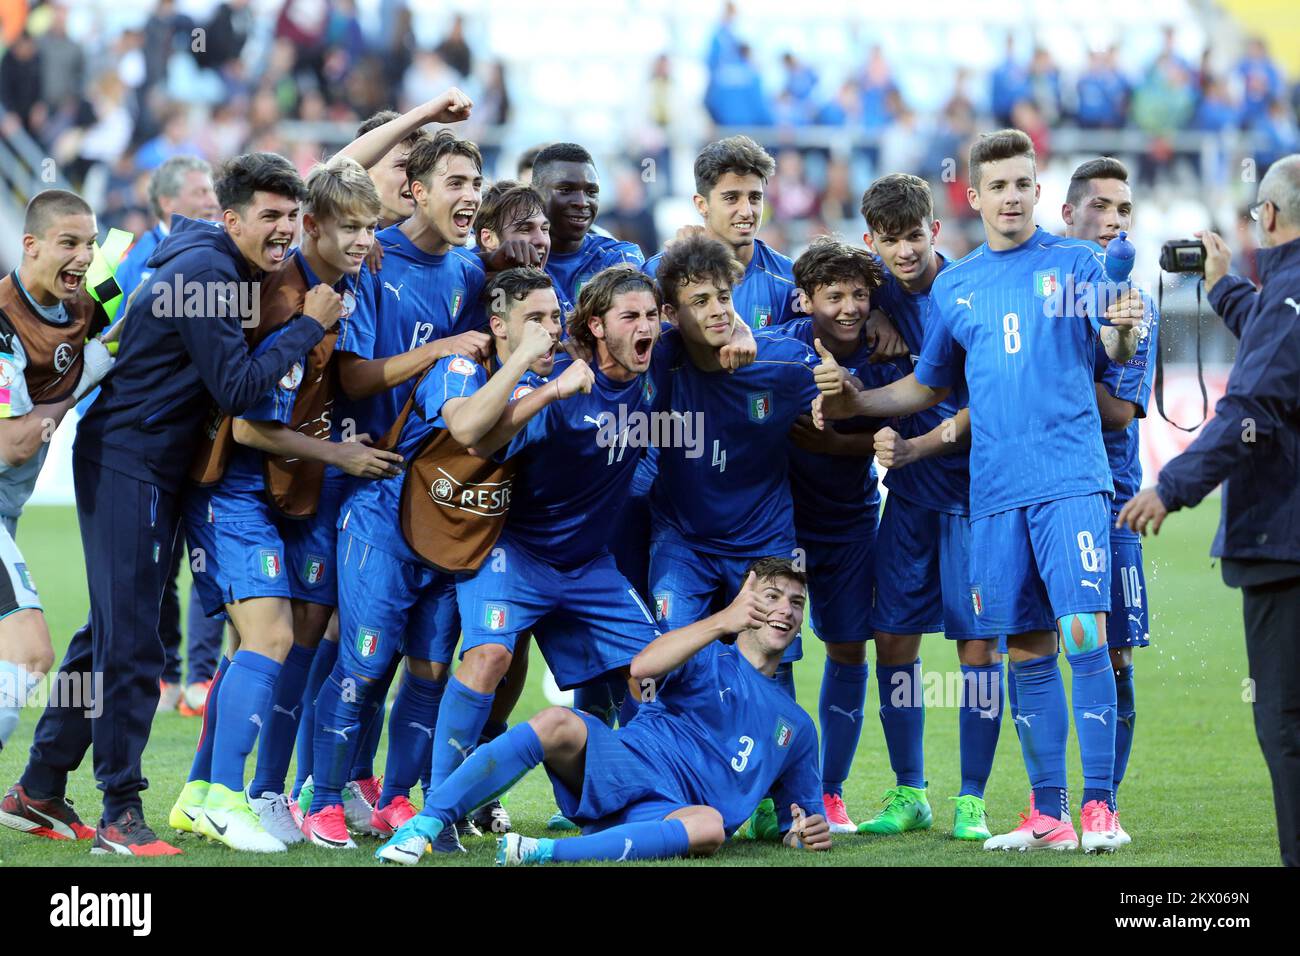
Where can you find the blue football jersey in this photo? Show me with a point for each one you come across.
(728, 737)
(836, 497)
(1131, 382)
(1028, 365)
(941, 483)
(570, 271)
(575, 469)
(416, 298)
(765, 295)
(727, 491)
(372, 512)
(243, 481)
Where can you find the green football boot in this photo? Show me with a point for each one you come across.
(970, 821)
(763, 825)
(905, 808)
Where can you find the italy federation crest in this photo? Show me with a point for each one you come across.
(760, 406)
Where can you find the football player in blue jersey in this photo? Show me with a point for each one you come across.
(1018, 320)
(837, 501)
(1098, 206)
(923, 550)
(717, 734)
(566, 177)
(722, 499)
(553, 573)
(422, 305)
(730, 184)
(391, 602)
(384, 143)
(511, 228)
(242, 530)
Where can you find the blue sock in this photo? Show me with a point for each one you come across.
(410, 735)
(243, 709)
(491, 770)
(201, 768)
(902, 715)
(1013, 699)
(652, 840)
(785, 677)
(275, 744)
(337, 731)
(1093, 700)
(326, 654)
(460, 722)
(595, 699)
(1044, 722)
(372, 728)
(978, 722)
(843, 696)
(1125, 715)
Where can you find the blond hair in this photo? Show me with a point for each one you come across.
(341, 188)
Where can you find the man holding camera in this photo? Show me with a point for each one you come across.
(1252, 447)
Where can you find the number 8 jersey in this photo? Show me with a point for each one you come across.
(1023, 322)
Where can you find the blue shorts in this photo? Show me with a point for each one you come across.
(309, 545)
(234, 558)
(687, 585)
(840, 576)
(923, 572)
(618, 785)
(390, 607)
(1034, 565)
(1127, 624)
(587, 621)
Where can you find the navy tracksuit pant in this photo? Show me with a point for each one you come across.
(128, 528)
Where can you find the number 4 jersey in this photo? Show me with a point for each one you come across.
(1021, 322)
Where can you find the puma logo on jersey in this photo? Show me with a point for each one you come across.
(291, 714)
(990, 714)
(341, 733)
(627, 850)
(1095, 585)
(1024, 718)
(1135, 620)
(966, 301)
(463, 751)
(850, 714)
(255, 719)
(722, 695)
(1089, 715)
(396, 290)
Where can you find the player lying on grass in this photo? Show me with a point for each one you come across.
(46, 365)
(717, 735)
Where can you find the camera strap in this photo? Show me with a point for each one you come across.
(1160, 362)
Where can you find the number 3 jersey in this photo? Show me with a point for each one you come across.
(726, 736)
(1023, 322)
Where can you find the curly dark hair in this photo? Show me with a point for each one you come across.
(828, 260)
(693, 259)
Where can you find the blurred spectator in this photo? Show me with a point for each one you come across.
(1275, 136)
(1261, 83)
(453, 49)
(103, 139)
(661, 92)
(172, 141)
(1026, 116)
(844, 110)
(839, 202)
(303, 24)
(724, 47)
(1216, 111)
(20, 85)
(799, 90)
(399, 51)
(735, 94)
(876, 83)
(226, 32)
(162, 28)
(1009, 84)
(1045, 86)
(902, 147)
(631, 217)
(63, 65)
(427, 78)
(789, 193)
(1165, 100)
(1102, 92)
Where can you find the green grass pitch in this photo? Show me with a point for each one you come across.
(1197, 792)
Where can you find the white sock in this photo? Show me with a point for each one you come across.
(16, 682)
